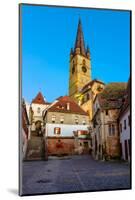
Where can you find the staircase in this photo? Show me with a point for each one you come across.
(35, 148)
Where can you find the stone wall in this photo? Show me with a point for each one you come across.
(113, 147)
(60, 146)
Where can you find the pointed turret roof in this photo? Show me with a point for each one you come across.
(80, 39)
(39, 99)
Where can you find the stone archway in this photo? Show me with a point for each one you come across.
(36, 144)
(38, 128)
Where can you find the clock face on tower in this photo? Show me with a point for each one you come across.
(84, 69)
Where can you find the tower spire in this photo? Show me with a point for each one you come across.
(79, 44)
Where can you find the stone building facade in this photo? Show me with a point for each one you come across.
(125, 126)
(36, 142)
(62, 120)
(25, 129)
(89, 92)
(36, 108)
(105, 134)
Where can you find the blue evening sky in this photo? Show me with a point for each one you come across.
(48, 33)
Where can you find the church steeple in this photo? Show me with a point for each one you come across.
(80, 65)
(79, 43)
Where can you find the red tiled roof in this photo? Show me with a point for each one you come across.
(62, 104)
(39, 99)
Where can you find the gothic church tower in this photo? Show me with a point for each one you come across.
(80, 65)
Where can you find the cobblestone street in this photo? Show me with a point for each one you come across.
(74, 174)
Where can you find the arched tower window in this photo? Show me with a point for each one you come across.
(83, 62)
(73, 68)
(84, 69)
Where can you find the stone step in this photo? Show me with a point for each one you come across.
(35, 148)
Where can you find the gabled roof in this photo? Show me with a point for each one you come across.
(39, 99)
(65, 104)
(90, 83)
(112, 95)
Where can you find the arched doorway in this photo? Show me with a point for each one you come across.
(38, 128)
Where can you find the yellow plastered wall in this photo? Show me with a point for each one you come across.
(88, 105)
(78, 78)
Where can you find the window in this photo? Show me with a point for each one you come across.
(129, 120)
(120, 128)
(57, 131)
(84, 122)
(84, 62)
(53, 118)
(61, 119)
(76, 120)
(88, 96)
(73, 68)
(111, 130)
(125, 124)
(106, 112)
(38, 110)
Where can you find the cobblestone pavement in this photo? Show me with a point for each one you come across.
(74, 174)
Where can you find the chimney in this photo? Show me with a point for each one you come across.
(68, 106)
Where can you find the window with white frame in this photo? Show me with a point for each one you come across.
(84, 121)
(53, 118)
(61, 119)
(76, 120)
